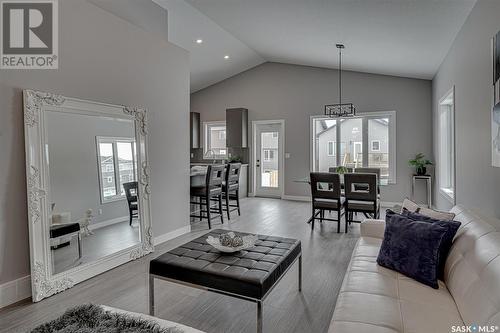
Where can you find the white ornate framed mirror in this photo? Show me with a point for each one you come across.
(88, 188)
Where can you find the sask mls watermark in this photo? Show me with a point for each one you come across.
(29, 34)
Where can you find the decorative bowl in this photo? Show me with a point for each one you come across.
(248, 242)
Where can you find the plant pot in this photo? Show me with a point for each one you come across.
(421, 171)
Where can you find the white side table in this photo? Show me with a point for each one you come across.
(428, 185)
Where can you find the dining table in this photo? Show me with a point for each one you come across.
(307, 180)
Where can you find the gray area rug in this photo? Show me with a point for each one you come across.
(91, 318)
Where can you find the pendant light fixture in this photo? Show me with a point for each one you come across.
(340, 109)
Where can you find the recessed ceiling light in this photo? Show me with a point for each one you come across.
(199, 41)
(226, 57)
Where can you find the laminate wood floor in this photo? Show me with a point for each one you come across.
(326, 255)
(103, 242)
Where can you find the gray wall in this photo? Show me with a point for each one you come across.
(468, 67)
(102, 58)
(294, 93)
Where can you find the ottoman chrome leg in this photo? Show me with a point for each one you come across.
(300, 272)
(259, 316)
(151, 295)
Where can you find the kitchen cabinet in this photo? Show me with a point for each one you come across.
(195, 130)
(237, 128)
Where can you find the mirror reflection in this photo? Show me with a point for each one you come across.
(93, 187)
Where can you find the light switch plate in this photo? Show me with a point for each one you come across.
(287, 155)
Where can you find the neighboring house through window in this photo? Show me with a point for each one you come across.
(117, 165)
(366, 140)
(331, 148)
(214, 143)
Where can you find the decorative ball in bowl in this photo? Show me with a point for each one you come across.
(230, 242)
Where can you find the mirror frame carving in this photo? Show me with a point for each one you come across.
(43, 282)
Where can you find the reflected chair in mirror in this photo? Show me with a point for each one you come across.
(60, 233)
(361, 193)
(211, 190)
(131, 194)
(326, 196)
(231, 188)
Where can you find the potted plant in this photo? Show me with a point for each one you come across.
(420, 163)
(341, 170)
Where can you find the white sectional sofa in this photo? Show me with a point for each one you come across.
(378, 300)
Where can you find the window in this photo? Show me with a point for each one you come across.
(331, 148)
(117, 165)
(446, 150)
(214, 145)
(367, 140)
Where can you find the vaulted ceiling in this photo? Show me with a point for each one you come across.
(406, 38)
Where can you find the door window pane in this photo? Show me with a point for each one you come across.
(378, 137)
(269, 142)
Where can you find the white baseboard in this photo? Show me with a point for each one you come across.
(171, 235)
(15, 291)
(94, 226)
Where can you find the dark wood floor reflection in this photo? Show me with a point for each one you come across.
(326, 256)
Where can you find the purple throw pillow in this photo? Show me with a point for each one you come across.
(412, 248)
(452, 228)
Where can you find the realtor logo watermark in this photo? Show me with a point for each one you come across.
(474, 329)
(29, 34)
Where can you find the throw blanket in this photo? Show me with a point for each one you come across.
(91, 318)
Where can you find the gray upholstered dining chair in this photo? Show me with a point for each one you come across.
(371, 170)
(326, 196)
(361, 193)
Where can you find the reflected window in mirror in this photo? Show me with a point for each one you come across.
(117, 164)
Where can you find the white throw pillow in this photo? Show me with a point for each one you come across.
(410, 206)
(435, 214)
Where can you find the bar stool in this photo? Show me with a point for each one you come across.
(231, 188)
(212, 190)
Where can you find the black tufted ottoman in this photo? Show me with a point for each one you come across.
(249, 274)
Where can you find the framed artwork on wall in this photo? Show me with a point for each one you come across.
(495, 112)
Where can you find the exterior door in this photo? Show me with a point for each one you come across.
(268, 162)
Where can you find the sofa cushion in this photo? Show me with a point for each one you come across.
(412, 248)
(376, 299)
(451, 227)
(472, 270)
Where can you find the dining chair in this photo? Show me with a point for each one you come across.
(361, 193)
(131, 195)
(212, 189)
(326, 196)
(371, 170)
